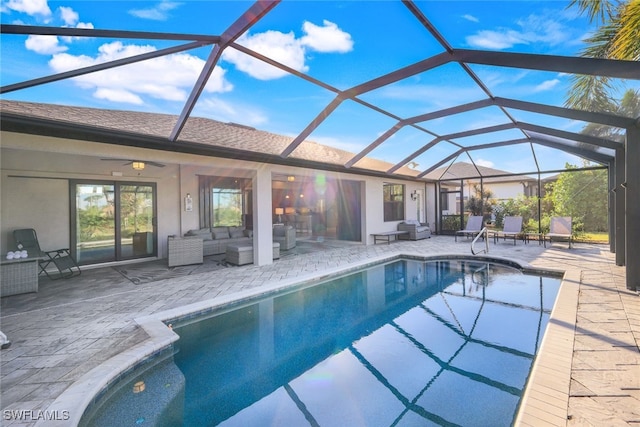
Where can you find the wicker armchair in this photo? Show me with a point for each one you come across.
(184, 251)
(286, 236)
(416, 230)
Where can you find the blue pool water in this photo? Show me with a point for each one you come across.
(400, 344)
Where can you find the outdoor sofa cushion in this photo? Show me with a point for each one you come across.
(216, 239)
(416, 230)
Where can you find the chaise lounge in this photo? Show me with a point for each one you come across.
(474, 226)
(65, 265)
(559, 229)
(512, 229)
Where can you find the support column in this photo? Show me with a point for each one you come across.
(262, 218)
(611, 183)
(632, 196)
(620, 228)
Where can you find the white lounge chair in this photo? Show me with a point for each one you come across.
(474, 226)
(512, 228)
(559, 229)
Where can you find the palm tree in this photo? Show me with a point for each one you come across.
(618, 37)
(629, 106)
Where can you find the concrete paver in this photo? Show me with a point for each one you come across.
(588, 373)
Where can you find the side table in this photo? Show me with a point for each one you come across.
(528, 236)
(19, 276)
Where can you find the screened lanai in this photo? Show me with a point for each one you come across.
(435, 87)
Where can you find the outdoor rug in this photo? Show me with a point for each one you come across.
(152, 271)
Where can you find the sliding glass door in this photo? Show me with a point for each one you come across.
(113, 221)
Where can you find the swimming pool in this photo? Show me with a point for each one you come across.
(403, 343)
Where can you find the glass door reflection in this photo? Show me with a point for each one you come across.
(136, 221)
(113, 221)
(95, 225)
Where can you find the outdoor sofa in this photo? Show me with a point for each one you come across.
(216, 239)
(416, 230)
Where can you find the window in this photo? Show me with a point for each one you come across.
(227, 207)
(225, 201)
(393, 199)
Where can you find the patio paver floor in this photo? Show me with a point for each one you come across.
(70, 327)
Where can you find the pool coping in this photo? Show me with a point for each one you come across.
(541, 403)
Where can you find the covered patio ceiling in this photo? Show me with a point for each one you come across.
(457, 106)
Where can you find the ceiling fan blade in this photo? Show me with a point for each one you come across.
(160, 165)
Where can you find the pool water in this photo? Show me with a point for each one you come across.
(405, 343)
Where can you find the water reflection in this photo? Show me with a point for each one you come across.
(153, 396)
(427, 343)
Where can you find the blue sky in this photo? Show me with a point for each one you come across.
(342, 43)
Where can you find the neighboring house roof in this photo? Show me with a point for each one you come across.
(464, 170)
(151, 130)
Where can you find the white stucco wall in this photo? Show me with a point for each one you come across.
(35, 177)
(36, 170)
(506, 190)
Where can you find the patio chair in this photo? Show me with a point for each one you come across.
(559, 229)
(474, 226)
(27, 239)
(512, 228)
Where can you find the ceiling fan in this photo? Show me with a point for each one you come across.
(137, 164)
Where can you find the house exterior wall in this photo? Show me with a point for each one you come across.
(35, 178)
(505, 190)
(35, 174)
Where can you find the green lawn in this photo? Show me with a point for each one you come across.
(595, 237)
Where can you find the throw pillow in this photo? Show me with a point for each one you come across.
(218, 234)
(237, 233)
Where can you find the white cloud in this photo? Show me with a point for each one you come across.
(30, 7)
(543, 28)
(283, 48)
(117, 95)
(71, 19)
(287, 49)
(168, 78)
(546, 85)
(69, 16)
(431, 96)
(470, 18)
(488, 39)
(328, 38)
(44, 45)
(159, 12)
(485, 163)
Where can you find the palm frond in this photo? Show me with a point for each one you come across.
(601, 10)
(590, 93)
(600, 44)
(626, 42)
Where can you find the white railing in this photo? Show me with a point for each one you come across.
(483, 233)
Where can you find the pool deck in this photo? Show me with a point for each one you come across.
(587, 371)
